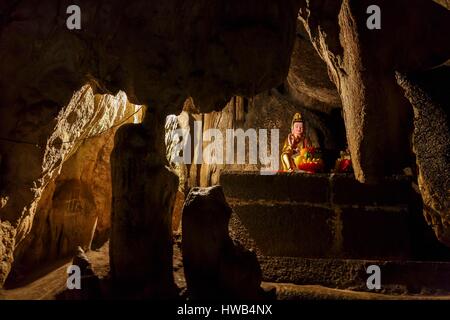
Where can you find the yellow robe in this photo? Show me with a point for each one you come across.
(292, 147)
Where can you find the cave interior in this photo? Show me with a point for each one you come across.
(90, 122)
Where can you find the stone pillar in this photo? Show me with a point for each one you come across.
(143, 195)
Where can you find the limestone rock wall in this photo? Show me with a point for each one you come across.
(428, 93)
(70, 174)
(308, 81)
(362, 64)
(444, 3)
(322, 215)
(208, 50)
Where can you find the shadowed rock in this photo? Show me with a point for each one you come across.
(214, 266)
(154, 51)
(90, 283)
(143, 196)
(429, 95)
(362, 64)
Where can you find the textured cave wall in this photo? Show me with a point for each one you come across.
(308, 81)
(208, 50)
(362, 64)
(72, 198)
(378, 118)
(203, 50)
(429, 95)
(444, 3)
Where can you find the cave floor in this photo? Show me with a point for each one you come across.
(50, 285)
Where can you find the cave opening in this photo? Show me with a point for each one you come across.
(72, 205)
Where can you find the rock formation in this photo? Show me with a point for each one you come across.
(207, 50)
(143, 197)
(214, 266)
(362, 65)
(70, 174)
(89, 281)
(428, 94)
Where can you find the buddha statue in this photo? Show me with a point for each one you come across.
(295, 142)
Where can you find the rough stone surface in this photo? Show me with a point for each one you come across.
(48, 287)
(362, 64)
(90, 282)
(251, 185)
(215, 267)
(289, 229)
(395, 191)
(308, 79)
(177, 211)
(444, 3)
(68, 167)
(208, 50)
(376, 233)
(144, 191)
(398, 277)
(323, 215)
(428, 94)
(198, 172)
(7, 236)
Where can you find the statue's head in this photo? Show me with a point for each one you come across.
(297, 128)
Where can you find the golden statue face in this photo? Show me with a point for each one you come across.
(297, 129)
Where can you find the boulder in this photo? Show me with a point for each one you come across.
(90, 282)
(215, 267)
